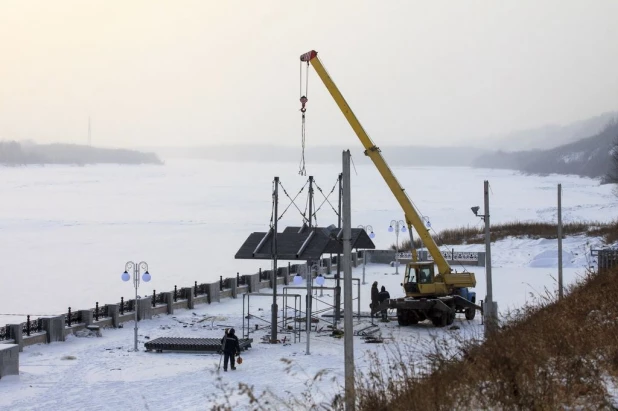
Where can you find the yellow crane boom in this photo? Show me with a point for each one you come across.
(371, 150)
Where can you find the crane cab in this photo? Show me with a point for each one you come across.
(420, 280)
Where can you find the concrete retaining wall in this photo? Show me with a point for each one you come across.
(9, 359)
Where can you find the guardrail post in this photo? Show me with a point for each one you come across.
(121, 305)
(69, 318)
(175, 293)
(96, 311)
(220, 283)
(154, 298)
(28, 325)
(195, 290)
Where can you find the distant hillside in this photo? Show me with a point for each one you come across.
(548, 136)
(588, 157)
(395, 155)
(13, 153)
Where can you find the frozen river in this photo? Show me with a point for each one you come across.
(66, 232)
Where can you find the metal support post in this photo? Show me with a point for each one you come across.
(274, 308)
(348, 332)
(491, 315)
(308, 310)
(560, 284)
(338, 276)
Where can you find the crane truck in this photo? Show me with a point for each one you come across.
(433, 291)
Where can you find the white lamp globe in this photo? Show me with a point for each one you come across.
(403, 229)
(146, 277)
(125, 276)
(297, 279)
(372, 235)
(390, 228)
(320, 280)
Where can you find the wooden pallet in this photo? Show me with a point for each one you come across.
(192, 344)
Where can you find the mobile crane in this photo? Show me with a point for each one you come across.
(428, 295)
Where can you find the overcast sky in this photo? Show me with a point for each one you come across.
(154, 73)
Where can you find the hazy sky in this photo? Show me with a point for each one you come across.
(200, 72)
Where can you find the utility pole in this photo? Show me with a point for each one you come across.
(560, 289)
(491, 308)
(274, 308)
(338, 277)
(348, 332)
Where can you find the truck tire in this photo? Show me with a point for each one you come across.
(470, 313)
(403, 317)
(439, 321)
(450, 318)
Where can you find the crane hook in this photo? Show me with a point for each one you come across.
(303, 101)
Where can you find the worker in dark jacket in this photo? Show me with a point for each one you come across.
(384, 295)
(230, 345)
(374, 297)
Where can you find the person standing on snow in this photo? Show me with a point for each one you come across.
(374, 297)
(384, 295)
(231, 347)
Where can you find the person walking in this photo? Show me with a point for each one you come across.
(384, 295)
(231, 347)
(374, 298)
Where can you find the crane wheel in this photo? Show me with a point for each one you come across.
(470, 313)
(440, 321)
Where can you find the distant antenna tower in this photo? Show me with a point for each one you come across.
(89, 134)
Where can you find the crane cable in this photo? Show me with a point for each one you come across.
(303, 100)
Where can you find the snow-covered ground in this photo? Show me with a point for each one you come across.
(66, 232)
(104, 374)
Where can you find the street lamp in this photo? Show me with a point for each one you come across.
(399, 226)
(371, 235)
(136, 267)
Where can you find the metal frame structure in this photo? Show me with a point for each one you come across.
(247, 317)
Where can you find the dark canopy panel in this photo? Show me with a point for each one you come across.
(301, 243)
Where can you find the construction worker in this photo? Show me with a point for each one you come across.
(374, 297)
(384, 295)
(231, 347)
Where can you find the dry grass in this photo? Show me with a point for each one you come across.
(549, 356)
(476, 235)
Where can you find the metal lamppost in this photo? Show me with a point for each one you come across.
(371, 235)
(136, 267)
(399, 225)
(490, 311)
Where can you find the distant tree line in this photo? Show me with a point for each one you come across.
(595, 156)
(12, 153)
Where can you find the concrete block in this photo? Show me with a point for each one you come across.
(16, 334)
(380, 256)
(144, 309)
(189, 295)
(113, 311)
(168, 297)
(253, 281)
(233, 287)
(9, 359)
(86, 316)
(285, 274)
(214, 293)
(327, 263)
(354, 260)
(54, 327)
